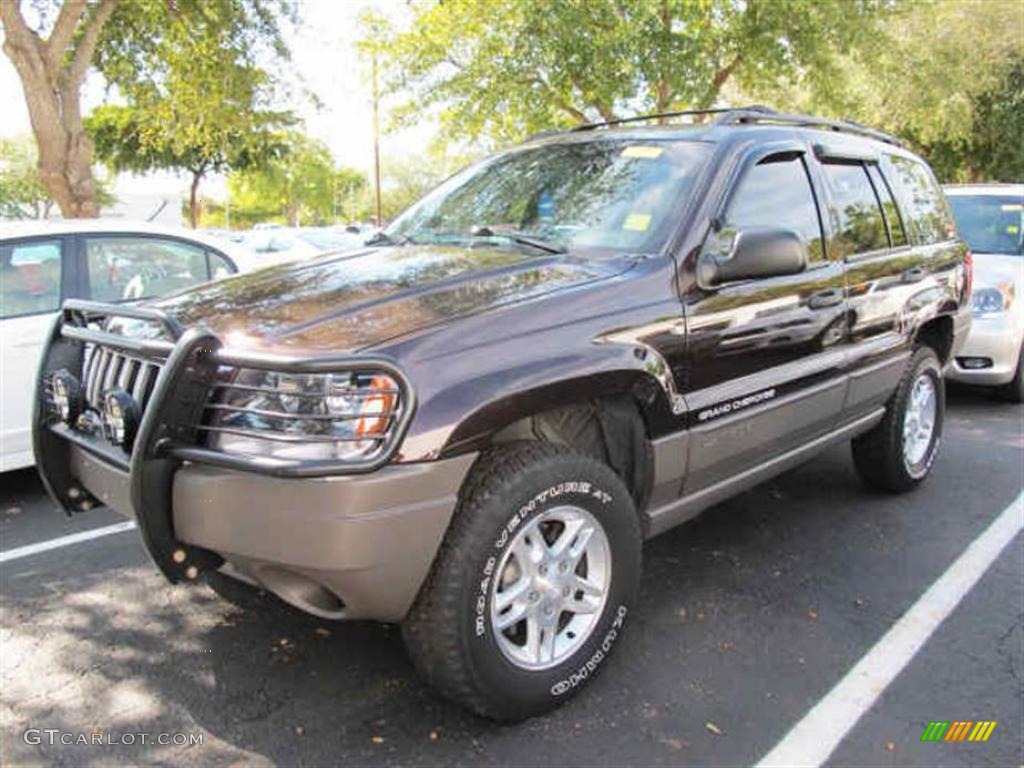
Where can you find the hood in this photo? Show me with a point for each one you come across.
(993, 269)
(354, 300)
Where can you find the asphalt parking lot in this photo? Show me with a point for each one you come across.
(748, 616)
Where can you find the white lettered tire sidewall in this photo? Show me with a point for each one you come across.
(606, 498)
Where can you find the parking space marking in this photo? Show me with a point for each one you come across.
(815, 737)
(65, 541)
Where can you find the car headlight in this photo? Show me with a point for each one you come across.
(989, 300)
(341, 416)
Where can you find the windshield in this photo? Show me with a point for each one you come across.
(605, 194)
(990, 223)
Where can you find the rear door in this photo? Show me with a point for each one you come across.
(895, 263)
(765, 356)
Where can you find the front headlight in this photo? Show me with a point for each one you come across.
(323, 416)
(990, 300)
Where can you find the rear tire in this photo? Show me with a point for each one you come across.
(532, 583)
(898, 453)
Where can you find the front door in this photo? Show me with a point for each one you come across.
(764, 370)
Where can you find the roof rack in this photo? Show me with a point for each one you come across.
(746, 115)
(753, 114)
(657, 116)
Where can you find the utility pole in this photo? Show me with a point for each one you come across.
(376, 137)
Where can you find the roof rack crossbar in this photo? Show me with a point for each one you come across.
(644, 118)
(755, 113)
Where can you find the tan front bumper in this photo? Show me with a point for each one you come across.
(368, 540)
(341, 547)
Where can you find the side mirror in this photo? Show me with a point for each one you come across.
(756, 252)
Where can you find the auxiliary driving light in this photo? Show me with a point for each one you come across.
(67, 396)
(120, 417)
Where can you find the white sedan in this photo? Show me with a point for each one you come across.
(44, 262)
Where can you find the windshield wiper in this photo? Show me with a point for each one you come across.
(519, 237)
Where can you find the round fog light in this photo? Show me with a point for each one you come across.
(120, 417)
(67, 396)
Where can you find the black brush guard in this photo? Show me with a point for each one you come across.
(167, 435)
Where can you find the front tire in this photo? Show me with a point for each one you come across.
(898, 453)
(532, 584)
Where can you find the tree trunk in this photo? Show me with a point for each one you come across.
(193, 199)
(51, 74)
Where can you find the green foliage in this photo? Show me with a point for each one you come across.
(130, 139)
(300, 186)
(992, 149)
(508, 69)
(943, 75)
(22, 196)
(198, 97)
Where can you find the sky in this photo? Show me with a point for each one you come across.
(324, 61)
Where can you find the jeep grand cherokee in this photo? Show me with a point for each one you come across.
(470, 425)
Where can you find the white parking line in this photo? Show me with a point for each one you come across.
(65, 541)
(813, 739)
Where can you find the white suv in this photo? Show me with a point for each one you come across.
(991, 219)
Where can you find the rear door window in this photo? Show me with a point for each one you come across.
(892, 214)
(928, 217)
(777, 193)
(30, 277)
(139, 267)
(860, 226)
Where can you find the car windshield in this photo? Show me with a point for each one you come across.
(990, 223)
(603, 194)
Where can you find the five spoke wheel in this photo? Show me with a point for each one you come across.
(919, 420)
(551, 587)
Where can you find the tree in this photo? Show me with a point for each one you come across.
(301, 185)
(165, 134)
(22, 195)
(52, 71)
(511, 68)
(943, 76)
(140, 47)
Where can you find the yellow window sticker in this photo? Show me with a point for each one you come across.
(638, 222)
(1012, 207)
(645, 151)
(1012, 230)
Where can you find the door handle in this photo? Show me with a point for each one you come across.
(914, 275)
(827, 298)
